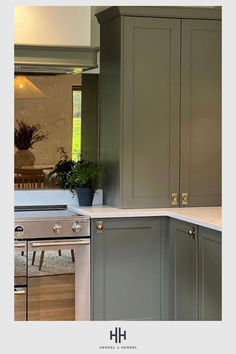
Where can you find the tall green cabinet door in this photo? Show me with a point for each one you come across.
(151, 99)
(126, 269)
(200, 165)
(183, 283)
(209, 274)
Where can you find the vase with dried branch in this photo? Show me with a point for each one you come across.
(26, 136)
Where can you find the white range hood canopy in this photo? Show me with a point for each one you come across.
(54, 59)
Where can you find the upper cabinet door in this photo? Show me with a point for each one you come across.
(151, 102)
(200, 168)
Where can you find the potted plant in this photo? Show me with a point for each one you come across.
(79, 177)
(84, 180)
(26, 136)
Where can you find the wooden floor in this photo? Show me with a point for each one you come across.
(51, 298)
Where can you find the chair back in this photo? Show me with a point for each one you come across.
(29, 178)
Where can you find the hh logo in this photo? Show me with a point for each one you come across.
(118, 335)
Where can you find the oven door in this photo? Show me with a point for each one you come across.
(59, 280)
(20, 280)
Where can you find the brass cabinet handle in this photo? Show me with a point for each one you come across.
(174, 199)
(185, 198)
(99, 226)
(191, 233)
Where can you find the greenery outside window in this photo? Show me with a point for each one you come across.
(76, 131)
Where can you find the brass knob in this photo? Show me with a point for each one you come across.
(99, 227)
(191, 233)
(175, 199)
(185, 198)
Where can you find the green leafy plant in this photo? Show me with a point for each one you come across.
(85, 174)
(27, 135)
(63, 170)
(69, 174)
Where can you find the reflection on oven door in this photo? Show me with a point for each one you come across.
(20, 258)
(20, 289)
(51, 279)
(19, 303)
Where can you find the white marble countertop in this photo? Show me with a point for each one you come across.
(210, 217)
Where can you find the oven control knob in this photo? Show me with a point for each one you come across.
(76, 227)
(57, 228)
(19, 231)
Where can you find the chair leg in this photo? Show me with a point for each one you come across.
(41, 260)
(33, 258)
(73, 255)
(22, 253)
(59, 252)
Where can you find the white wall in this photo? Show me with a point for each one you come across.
(64, 25)
(95, 34)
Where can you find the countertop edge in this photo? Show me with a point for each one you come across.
(147, 213)
(195, 221)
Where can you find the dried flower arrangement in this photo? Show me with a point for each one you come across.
(27, 135)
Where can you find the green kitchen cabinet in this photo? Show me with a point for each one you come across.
(183, 253)
(140, 102)
(209, 274)
(128, 280)
(160, 108)
(194, 272)
(200, 173)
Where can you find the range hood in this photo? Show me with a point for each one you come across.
(47, 59)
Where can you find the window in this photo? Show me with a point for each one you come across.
(76, 133)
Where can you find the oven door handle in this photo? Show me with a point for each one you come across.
(19, 291)
(62, 243)
(20, 245)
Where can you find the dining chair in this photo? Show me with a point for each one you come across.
(29, 178)
(42, 257)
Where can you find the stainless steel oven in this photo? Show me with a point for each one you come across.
(52, 265)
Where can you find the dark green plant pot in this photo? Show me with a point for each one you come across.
(85, 196)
